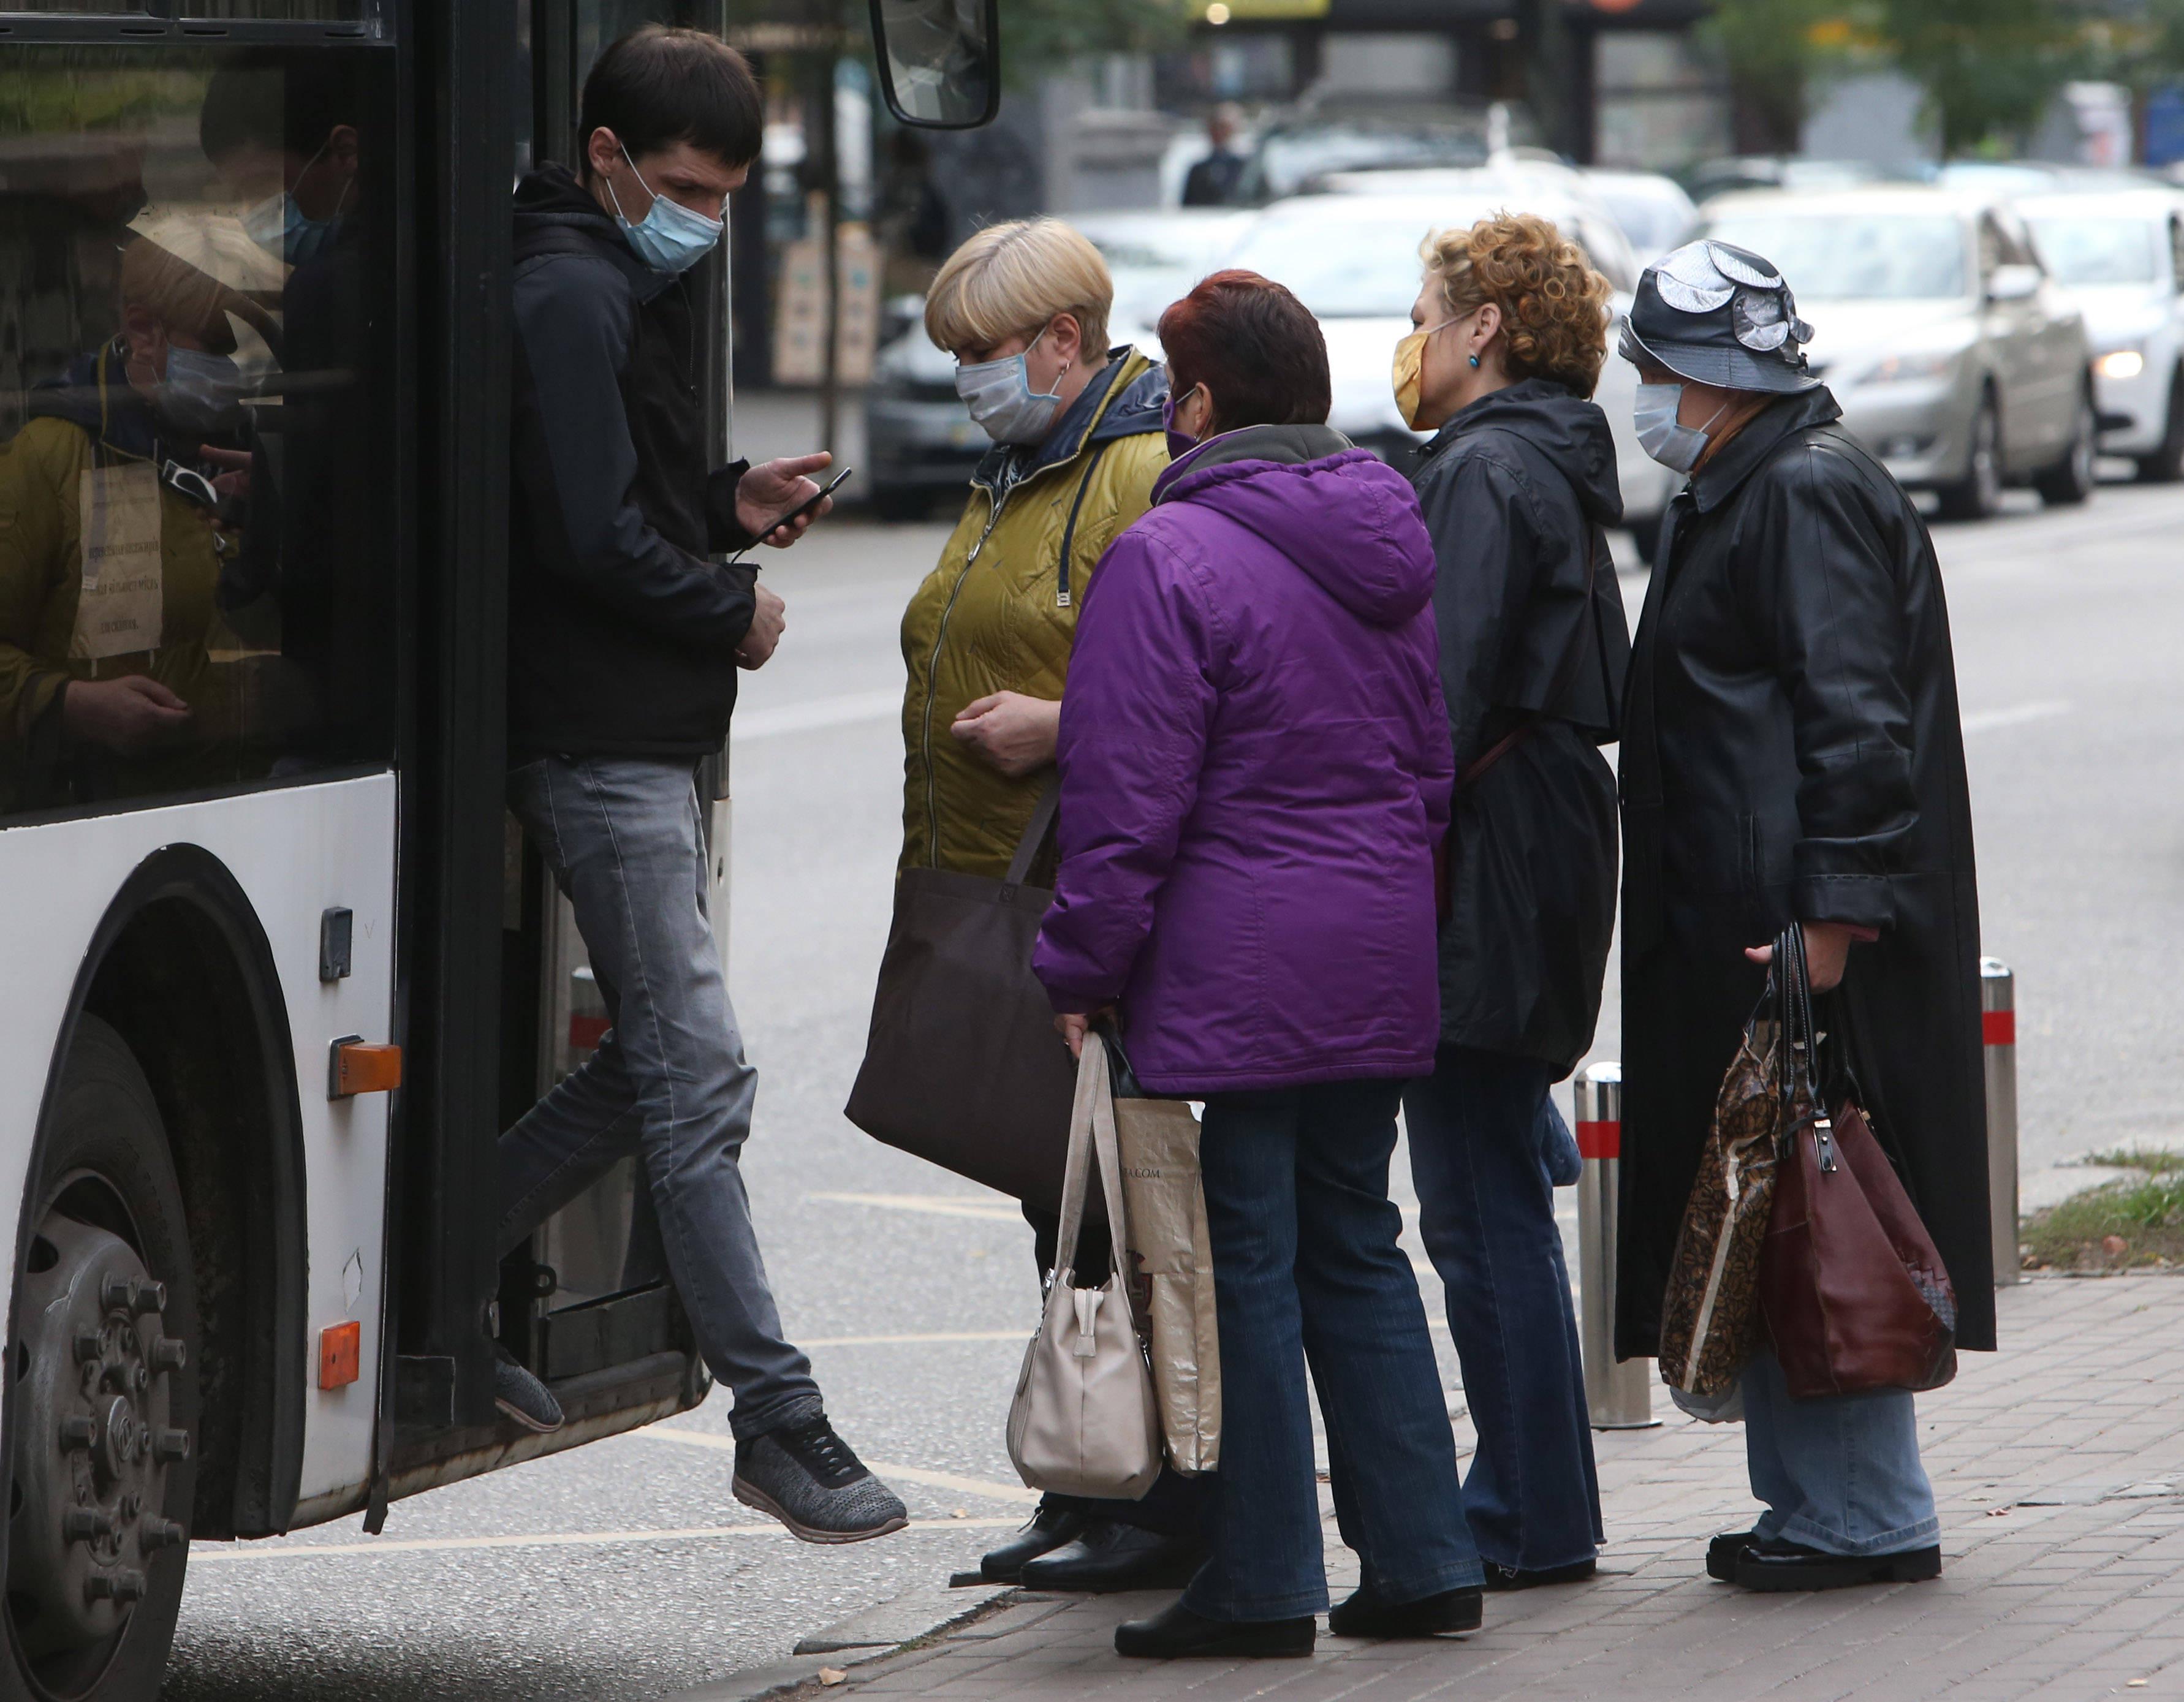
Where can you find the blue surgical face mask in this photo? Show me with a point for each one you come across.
(202, 392)
(1661, 435)
(281, 228)
(670, 238)
(1000, 398)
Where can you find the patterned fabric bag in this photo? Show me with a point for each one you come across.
(1710, 1314)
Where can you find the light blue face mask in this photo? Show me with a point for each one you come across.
(280, 227)
(1661, 435)
(670, 238)
(202, 392)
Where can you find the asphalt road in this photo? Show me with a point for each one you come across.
(625, 1570)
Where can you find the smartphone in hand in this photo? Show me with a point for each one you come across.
(797, 513)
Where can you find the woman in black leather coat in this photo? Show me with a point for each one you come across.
(1792, 752)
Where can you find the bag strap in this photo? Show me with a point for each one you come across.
(1092, 1136)
(1036, 829)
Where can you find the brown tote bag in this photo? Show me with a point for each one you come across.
(962, 1065)
(1853, 1291)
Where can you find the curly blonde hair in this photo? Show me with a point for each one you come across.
(1554, 304)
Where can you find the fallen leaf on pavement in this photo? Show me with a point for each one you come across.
(832, 1675)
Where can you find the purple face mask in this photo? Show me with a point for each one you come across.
(1179, 444)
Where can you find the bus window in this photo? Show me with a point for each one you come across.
(197, 528)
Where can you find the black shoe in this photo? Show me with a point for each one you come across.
(1501, 1578)
(1111, 1555)
(1048, 1529)
(807, 1477)
(1176, 1633)
(1780, 1565)
(1722, 1552)
(1365, 1615)
(521, 1396)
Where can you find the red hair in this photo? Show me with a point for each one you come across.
(1254, 346)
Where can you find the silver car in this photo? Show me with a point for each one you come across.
(2121, 255)
(1352, 256)
(1957, 360)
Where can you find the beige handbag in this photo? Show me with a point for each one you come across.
(1172, 1251)
(1084, 1421)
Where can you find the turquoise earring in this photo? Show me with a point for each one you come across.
(1475, 360)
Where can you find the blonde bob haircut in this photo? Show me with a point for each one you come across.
(1011, 280)
(1554, 304)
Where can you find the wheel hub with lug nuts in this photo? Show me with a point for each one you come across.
(92, 1443)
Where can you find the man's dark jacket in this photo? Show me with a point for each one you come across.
(1516, 489)
(621, 634)
(1791, 749)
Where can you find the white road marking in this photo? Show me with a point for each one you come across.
(200, 1553)
(909, 1474)
(811, 717)
(991, 1208)
(1989, 719)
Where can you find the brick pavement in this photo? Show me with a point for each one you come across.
(2059, 1467)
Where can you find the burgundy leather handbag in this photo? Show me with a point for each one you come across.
(1852, 1290)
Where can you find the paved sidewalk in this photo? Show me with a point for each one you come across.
(2059, 1468)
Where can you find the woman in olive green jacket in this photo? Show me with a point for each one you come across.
(1077, 442)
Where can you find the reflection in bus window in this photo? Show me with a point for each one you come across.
(196, 550)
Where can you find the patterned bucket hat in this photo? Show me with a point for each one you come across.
(1719, 314)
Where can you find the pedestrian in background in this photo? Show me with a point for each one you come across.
(986, 640)
(1214, 180)
(1255, 767)
(1791, 752)
(1516, 486)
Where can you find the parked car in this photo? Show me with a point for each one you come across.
(1653, 210)
(922, 441)
(2121, 255)
(1743, 172)
(1352, 257)
(1957, 360)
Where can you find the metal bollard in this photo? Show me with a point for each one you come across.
(1998, 1028)
(1619, 1397)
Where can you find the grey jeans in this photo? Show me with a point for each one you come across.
(622, 838)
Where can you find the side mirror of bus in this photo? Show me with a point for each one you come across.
(940, 61)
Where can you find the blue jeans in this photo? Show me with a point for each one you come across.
(1481, 1127)
(622, 838)
(1841, 1474)
(1306, 1267)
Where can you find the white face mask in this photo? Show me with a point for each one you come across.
(1000, 398)
(1661, 435)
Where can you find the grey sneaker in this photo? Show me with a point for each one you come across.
(807, 1477)
(521, 1396)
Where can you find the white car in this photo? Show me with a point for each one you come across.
(1653, 210)
(1957, 360)
(2121, 255)
(1155, 258)
(1352, 257)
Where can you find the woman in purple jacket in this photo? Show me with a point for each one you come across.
(1254, 768)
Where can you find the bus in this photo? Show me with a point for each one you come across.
(277, 966)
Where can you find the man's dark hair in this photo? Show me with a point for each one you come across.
(1254, 346)
(656, 86)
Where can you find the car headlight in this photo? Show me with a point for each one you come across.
(2120, 363)
(1901, 369)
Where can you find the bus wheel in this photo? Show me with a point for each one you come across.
(102, 1393)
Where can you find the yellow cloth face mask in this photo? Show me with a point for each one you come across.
(1410, 370)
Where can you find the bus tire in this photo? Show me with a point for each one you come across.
(101, 1406)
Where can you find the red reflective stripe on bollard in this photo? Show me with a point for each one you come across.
(1600, 1140)
(585, 1032)
(1999, 1027)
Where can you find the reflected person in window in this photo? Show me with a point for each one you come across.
(106, 687)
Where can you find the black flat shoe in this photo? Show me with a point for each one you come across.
(1176, 1633)
(1365, 1615)
(1501, 1578)
(1722, 1552)
(1110, 1556)
(1048, 1529)
(1780, 1565)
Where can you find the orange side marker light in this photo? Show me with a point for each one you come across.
(341, 1352)
(353, 1068)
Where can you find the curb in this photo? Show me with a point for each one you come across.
(921, 1615)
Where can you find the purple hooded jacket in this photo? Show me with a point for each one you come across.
(1255, 770)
